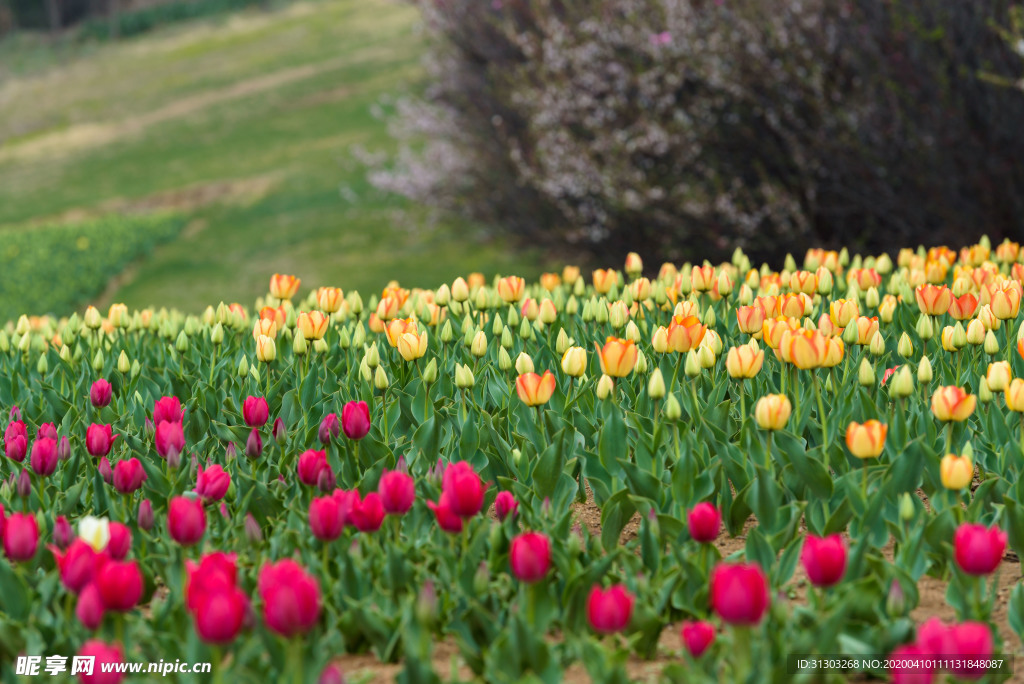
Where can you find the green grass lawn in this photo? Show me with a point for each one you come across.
(246, 125)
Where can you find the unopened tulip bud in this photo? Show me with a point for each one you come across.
(984, 391)
(430, 372)
(906, 507)
(903, 382)
(959, 336)
(97, 361)
(710, 318)
(24, 485)
(65, 355)
(905, 347)
(925, 328)
(705, 357)
(866, 373)
(656, 385)
(447, 333)
(975, 332)
(42, 366)
(871, 298)
(895, 600)
(605, 386)
(877, 345)
(672, 411)
(253, 533)
(562, 342)
(464, 377)
(497, 326)
(479, 345)
(632, 332)
(443, 295)
(358, 335)
(526, 330)
(506, 338)
(299, 343)
(641, 363)
(380, 379)
(217, 334)
(850, 334)
(924, 371)
(243, 367)
(504, 360)
(524, 364)
(991, 344)
(254, 371)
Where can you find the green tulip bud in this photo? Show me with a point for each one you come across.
(364, 372)
(478, 348)
(526, 330)
(65, 354)
(925, 328)
(959, 336)
(97, 361)
(217, 334)
(924, 371)
(524, 364)
(135, 369)
(871, 298)
(506, 338)
(562, 342)
(692, 365)
(504, 360)
(358, 335)
(877, 345)
(906, 507)
(380, 379)
(181, 343)
(984, 393)
(850, 334)
(243, 367)
(991, 344)
(673, 411)
(866, 373)
(42, 365)
(299, 343)
(5, 342)
(123, 364)
(632, 332)
(903, 382)
(605, 386)
(572, 306)
(24, 343)
(905, 347)
(430, 372)
(656, 385)
(446, 332)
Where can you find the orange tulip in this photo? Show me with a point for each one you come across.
(570, 274)
(744, 361)
(842, 311)
(864, 277)
(284, 286)
(792, 305)
(313, 324)
(833, 352)
(1007, 251)
(476, 280)
(687, 308)
(951, 403)
(805, 349)
(535, 390)
(867, 440)
(963, 307)
(388, 308)
(634, 264)
(617, 357)
(266, 327)
(511, 289)
(117, 315)
(685, 333)
(1005, 299)
(549, 281)
(933, 300)
(750, 319)
(956, 472)
(826, 327)
(529, 310)
(398, 327)
(774, 328)
(604, 279)
(640, 289)
(412, 346)
(276, 314)
(266, 350)
(329, 299)
(703, 278)
(770, 305)
(376, 325)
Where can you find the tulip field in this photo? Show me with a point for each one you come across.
(692, 473)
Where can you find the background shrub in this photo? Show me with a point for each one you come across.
(684, 126)
(53, 269)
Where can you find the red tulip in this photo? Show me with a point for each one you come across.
(447, 519)
(329, 428)
(63, 535)
(100, 393)
(368, 515)
(739, 593)
(212, 483)
(255, 411)
(16, 441)
(168, 409)
(219, 615)
(21, 536)
(216, 572)
(170, 438)
(311, 463)
(978, 549)
(325, 518)
(609, 610)
(77, 566)
(120, 584)
(102, 654)
(144, 518)
(530, 557)
(397, 491)
(128, 475)
(44, 456)
(120, 541)
(47, 431)
(89, 608)
(704, 522)
(355, 419)
(697, 636)
(824, 559)
(99, 440)
(186, 520)
(291, 598)
(464, 489)
(505, 505)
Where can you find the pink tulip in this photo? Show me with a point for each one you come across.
(909, 660)
(530, 557)
(212, 483)
(329, 428)
(16, 441)
(368, 515)
(397, 491)
(168, 409)
(704, 522)
(44, 456)
(170, 439)
(105, 471)
(144, 518)
(973, 642)
(77, 566)
(355, 419)
(219, 616)
(325, 518)
(102, 654)
(99, 439)
(505, 505)
(120, 541)
(291, 598)
(824, 559)
(63, 535)
(100, 393)
(128, 476)
(697, 636)
(47, 431)
(254, 444)
(464, 489)
(311, 464)
(447, 519)
(739, 593)
(609, 610)
(186, 520)
(214, 573)
(978, 549)
(120, 584)
(89, 608)
(21, 536)
(255, 411)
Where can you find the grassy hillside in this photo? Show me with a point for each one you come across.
(245, 126)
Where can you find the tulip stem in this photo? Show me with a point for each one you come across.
(213, 363)
(864, 481)
(218, 672)
(295, 658)
(824, 418)
(768, 451)
(743, 407)
(949, 437)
